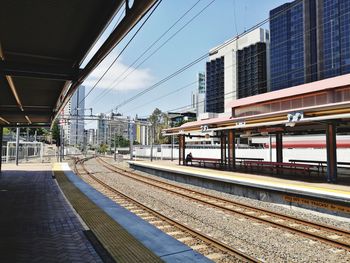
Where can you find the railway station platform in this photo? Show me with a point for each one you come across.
(36, 222)
(323, 197)
(125, 236)
(48, 214)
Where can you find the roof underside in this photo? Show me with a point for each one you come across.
(42, 46)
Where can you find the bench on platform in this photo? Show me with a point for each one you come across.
(242, 159)
(278, 166)
(204, 161)
(320, 164)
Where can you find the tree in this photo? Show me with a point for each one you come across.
(55, 131)
(6, 131)
(120, 141)
(103, 148)
(159, 121)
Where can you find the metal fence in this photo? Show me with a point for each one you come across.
(27, 151)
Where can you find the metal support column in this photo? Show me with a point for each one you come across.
(17, 144)
(1, 137)
(223, 148)
(172, 147)
(279, 148)
(182, 146)
(270, 147)
(231, 150)
(331, 142)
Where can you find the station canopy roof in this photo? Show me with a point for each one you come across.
(42, 47)
(301, 108)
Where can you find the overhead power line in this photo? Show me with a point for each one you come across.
(121, 52)
(115, 83)
(189, 65)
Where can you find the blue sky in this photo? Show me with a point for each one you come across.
(222, 20)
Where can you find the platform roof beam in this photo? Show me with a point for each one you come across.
(44, 47)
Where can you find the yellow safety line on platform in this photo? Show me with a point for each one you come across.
(266, 181)
(121, 245)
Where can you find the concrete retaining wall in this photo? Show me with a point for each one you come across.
(293, 199)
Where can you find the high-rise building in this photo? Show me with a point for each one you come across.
(102, 129)
(91, 136)
(225, 80)
(252, 70)
(215, 92)
(142, 131)
(201, 101)
(66, 122)
(309, 41)
(77, 110)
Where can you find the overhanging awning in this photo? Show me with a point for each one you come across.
(42, 45)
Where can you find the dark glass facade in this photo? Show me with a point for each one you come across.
(252, 78)
(336, 37)
(215, 91)
(287, 46)
(309, 41)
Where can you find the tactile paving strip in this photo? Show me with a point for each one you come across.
(121, 245)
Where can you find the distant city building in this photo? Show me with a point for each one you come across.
(309, 41)
(252, 70)
(226, 80)
(142, 127)
(118, 126)
(77, 117)
(102, 129)
(198, 101)
(91, 136)
(65, 122)
(177, 118)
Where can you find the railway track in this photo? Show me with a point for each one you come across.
(204, 244)
(327, 234)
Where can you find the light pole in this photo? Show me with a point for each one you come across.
(115, 146)
(151, 142)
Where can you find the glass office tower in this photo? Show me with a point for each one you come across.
(309, 41)
(336, 37)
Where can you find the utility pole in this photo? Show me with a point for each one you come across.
(151, 142)
(131, 139)
(115, 146)
(17, 143)
(77, 120)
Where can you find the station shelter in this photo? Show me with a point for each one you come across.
(321, 107)
(48, 49)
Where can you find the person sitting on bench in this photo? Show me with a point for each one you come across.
(189, 158)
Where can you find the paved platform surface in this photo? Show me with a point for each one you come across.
(36, 222)
(162, 245)
(324, 190)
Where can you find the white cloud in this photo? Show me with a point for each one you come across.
(138, 79)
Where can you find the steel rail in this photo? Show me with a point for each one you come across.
(207, 239)
(290, 219)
